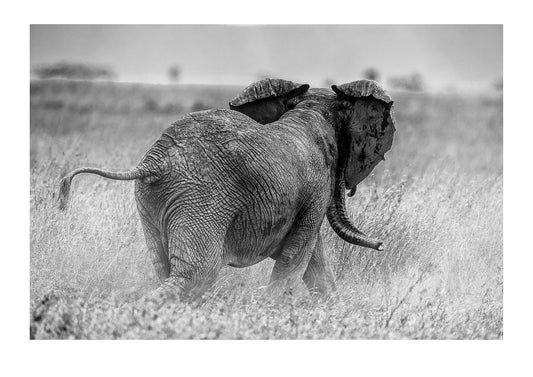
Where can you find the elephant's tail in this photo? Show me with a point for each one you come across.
(136, 173)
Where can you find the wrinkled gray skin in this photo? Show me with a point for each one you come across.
(218, 189)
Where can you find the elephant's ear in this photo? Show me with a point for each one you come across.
(267, 100)
(361, 89)
(370, 130)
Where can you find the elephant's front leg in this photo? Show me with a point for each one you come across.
(291, 263)
(318, 276)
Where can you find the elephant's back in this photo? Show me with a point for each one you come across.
(220, 122)
(233, 139)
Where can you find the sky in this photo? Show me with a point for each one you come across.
(447, 56)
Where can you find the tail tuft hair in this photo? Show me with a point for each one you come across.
(64, 191)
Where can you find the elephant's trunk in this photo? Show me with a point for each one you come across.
(338, 218)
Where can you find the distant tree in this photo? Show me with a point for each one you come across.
(80, 71)
(199, 106)
(412, 82)
(371, 74)
(174, 72)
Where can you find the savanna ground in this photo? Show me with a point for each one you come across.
(436, 202)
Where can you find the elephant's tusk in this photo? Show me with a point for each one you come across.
(380, 155)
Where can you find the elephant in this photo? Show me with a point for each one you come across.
(237, 186)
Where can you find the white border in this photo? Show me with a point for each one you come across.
(20, 356)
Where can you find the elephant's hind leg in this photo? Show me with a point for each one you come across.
(195, 261)
(158, 251)
(185, 287)
(318, 276)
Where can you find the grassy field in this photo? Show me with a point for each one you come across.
(436, 202)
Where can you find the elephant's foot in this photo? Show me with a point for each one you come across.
(159, 297)
(281, 290)
(169, 291)
(180, 289)
(319, 285)
(318, 278)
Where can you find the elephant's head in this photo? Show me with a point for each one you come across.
(361, 114)
(365, 131)
(368, 128)
(363, 109)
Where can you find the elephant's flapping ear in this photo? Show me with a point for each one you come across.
(370, 130)
(267, 100)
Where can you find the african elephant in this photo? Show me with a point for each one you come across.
(234, 187)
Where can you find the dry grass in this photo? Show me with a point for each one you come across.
(436, 202)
